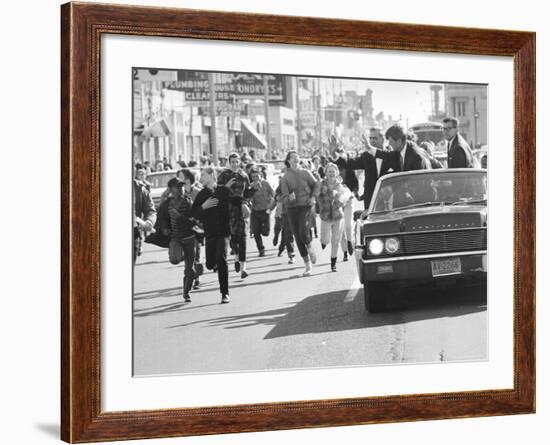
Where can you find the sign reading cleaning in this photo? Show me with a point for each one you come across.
(228, 86)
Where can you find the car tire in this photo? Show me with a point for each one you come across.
(375, 294)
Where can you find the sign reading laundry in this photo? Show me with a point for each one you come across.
(228, 86)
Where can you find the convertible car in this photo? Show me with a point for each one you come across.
(422, 227)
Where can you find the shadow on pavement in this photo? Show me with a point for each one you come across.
(147, 295)
(330, 312)
(167, 308)
(145, 263)
(249, 283)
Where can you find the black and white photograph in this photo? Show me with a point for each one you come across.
(287, 221)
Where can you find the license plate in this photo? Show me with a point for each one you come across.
(449, 266)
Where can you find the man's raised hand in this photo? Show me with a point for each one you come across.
(368, 147)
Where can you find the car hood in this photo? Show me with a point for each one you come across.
(426, 219)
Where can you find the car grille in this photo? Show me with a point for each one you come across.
(446, 241)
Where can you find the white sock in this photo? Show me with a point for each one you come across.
(243, 266)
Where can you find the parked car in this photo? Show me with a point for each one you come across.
(422, 227)
(278, 164)
(440, 153)
(159, 182)
(272, 175)
(481, 156)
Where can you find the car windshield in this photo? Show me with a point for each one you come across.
(424, 190)
(268, 168)
(158, 180)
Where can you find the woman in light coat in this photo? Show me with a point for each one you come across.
(333, 197)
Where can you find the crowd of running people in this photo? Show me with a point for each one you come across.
(222, 211)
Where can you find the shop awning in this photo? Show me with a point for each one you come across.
(250, 137)
(157, 129)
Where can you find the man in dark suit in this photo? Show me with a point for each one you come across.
(406, 155)
(459, 154)
(373, 167)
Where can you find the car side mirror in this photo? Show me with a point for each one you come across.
(357, 214)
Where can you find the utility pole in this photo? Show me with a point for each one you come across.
(298, 118)
(266, 107)
(476, 117)
(213, 137)
(316, 107)
(319, 115)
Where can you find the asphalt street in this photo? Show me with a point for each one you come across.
(278, 319)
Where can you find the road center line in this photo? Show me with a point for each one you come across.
(353, 290)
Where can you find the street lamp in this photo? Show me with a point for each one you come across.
(476, 117)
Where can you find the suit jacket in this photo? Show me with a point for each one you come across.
(347, 174)
(366, 162)
(459, 154)
(415, 159)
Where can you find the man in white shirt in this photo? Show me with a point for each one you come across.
(373, 167)
(406, 155)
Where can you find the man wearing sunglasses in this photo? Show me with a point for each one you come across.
(459, 154)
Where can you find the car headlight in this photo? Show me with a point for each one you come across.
(392, 245)
(376, 246)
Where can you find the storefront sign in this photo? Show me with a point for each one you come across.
(229, 87)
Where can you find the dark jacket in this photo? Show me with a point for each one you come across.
(216, 219)
(161, 236)
(348, 175)
(366, 162)
(240, 189)
(459, 154)
(415, 159)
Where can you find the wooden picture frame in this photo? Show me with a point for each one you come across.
(82, 26)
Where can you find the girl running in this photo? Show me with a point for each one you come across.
(332, 199)
(298, 189)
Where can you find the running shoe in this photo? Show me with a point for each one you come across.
(291, 260)
(237, 266)
(244, 274)
(225, 299)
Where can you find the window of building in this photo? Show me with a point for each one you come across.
(288, 141)
(460, 108)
